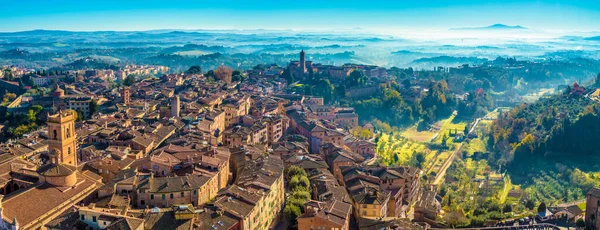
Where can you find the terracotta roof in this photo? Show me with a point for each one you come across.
(125, 223)
(33, 203)
(51, 170)
(174, 184)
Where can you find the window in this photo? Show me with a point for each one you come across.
(94, 219)
(164, 197)
(69, 151)
(181, 194)
(364, 206)
(195, 192)
(171, 195)
(82, 217)
(151, 196)
(55, 135)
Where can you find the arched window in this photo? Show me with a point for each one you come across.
(55, 135)
(68, 132)
(69, 151)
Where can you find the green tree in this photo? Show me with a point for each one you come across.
(237, 76)
(542, 207)
(288, 76)
(308, 90)
(79, 116)
(31, 116)
(420, 159)
(340, 91)
(507, 208)
(129, 80)
(37, 108)
(8, 97)
(445, 140)
(301, 194)
(311, 75)
(10, 77)
(529, 204)
(294, 171)
(406, 83)
(93, 107)
(580, 223)
(195, 69)
(300, 181)
(292, 212)
(356, 78)
(324, 88)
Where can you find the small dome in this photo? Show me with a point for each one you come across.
(54, 170)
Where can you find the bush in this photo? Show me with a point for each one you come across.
(477, 221)
(300, 181)
(292, 212)
(301, 194)
(297, 202)
(580, 223)
(495, 216)
(506, 208)
(295, 170)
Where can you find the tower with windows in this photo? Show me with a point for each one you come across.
(62, 140)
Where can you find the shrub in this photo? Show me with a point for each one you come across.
(292, 212)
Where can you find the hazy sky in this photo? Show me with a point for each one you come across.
(86, 15)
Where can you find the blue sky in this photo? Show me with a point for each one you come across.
(89, 15)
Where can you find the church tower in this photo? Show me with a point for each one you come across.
(125, 96)
(62, 142)
(303, 61)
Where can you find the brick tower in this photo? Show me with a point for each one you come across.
(125, 96)
(62, 142)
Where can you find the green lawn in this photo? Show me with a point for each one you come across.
(393, 150)
(414, 135)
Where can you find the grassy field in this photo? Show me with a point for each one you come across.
(414, 135)
(441, 127)
(475, 145)
(532, 97)
(396, 149)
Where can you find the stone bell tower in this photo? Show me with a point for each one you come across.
(62, 142)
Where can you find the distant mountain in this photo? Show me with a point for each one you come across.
(596, 38)
(51, 33)
(493, 27)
